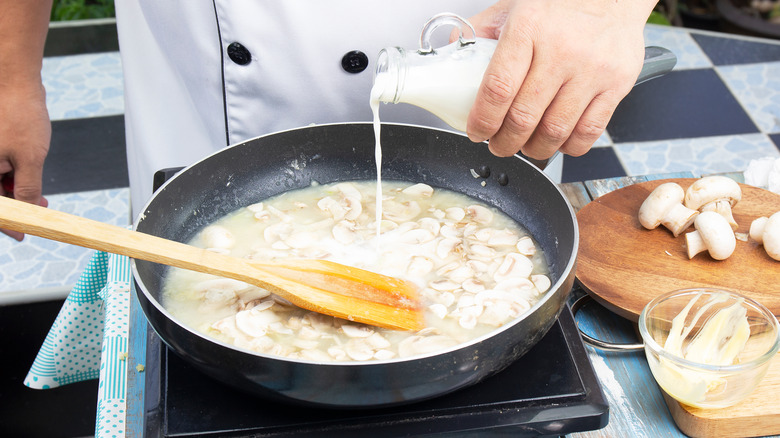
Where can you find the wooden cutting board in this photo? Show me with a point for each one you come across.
(624, 266)
(757, 415)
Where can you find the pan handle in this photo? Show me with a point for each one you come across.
(597, 343)
(541, 164)
(658, 62)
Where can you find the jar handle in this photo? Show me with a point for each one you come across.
(444, 19)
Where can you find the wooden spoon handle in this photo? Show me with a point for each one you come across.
(324, 287)
(68, 228)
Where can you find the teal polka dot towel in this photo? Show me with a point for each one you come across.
(88, 339)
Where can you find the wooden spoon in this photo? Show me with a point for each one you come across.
(318, 285)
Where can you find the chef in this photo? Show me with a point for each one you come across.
(201, 75)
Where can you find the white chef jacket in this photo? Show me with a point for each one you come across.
(187, 94)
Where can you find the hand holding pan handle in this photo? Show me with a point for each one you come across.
(658, 62)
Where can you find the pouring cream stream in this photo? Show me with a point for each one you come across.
(376, 92)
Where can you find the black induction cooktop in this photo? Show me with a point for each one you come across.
(550, 391)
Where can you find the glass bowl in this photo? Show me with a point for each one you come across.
(708, 348)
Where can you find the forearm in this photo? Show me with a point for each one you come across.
(25, 130)
(23, 28)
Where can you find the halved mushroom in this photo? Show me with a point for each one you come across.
(421, 190)
(424, 344)
(504, 237)
(344, 232)
(256, 321)
(766, 231)
(664, 206)
(354, 208)
(714, 193)
(333, 207)
(713, 234)
(526, 246)
(542, 282)
(514, 265)
(479, 214)
(400, 211)
(215, 236)
(420, 266)
(455, 213)
(349, 190)
(447, 246)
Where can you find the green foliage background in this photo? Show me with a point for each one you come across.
(63, 10)
(657, 17)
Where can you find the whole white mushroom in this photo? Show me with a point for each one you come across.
(757, 229)
(665, 206)
(713, 234)
(766, 231)
(714, 193)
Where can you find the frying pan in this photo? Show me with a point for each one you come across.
(248, 172)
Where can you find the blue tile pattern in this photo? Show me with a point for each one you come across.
(601, 162)
(82, 86)
(681, 104)
(757, 88)
(680, 42)
(737, 50)
(748, 68)
(38, 263)
(699, 156)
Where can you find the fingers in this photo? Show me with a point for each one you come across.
(554, 109)
(23, 184)
(570, 123)
(27, 183)
(5, 167)
(500, 86)
(8, 188)
(13, 235)
(537, 96)
(591, 125)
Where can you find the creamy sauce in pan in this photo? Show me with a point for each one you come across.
(476, 268)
